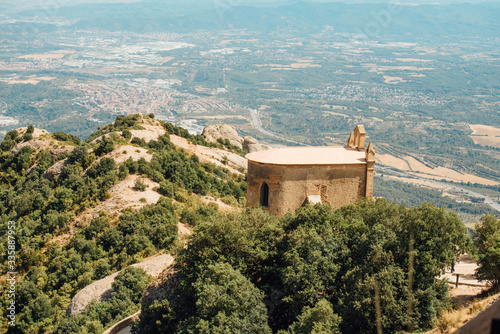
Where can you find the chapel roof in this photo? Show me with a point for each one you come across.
(319, 155)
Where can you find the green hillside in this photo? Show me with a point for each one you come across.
(57, 257)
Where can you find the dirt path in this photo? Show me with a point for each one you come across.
(126, 330)
(466, 267)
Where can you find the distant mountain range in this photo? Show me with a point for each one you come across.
(371, 19)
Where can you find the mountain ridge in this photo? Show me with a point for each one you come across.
(396, 19)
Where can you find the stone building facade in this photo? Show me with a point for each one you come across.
(286, 178)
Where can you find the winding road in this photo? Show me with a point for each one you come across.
(258, 125)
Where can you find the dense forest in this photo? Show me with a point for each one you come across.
(316, 271)
(411, 195)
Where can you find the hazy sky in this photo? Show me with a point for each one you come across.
(58, 3)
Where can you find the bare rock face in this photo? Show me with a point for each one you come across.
(34, 144)
(251, 144)
(53, 172)
(213, 132)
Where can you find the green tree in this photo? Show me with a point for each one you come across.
(62, 200)
(12, 134)
(102, 268)
(159, 317)
(27, 136)
(105, 146)
(317, 320)
(78, 154)
(486, 238)
(312, 261)
(315, 267)
(102, 167)
(126, 134)
(226, 302)
(247, 241)
(130, 283)
(123, 172)
(7, 144)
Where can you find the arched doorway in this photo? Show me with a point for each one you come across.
(264, 195)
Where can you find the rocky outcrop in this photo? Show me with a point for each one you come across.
(251, 144)
(41, 144)
(101, 290)
(42, 140)
(234, 162)
(213, 132)
(53, 172)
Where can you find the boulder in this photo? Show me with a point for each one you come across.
(53, 172)
(251, 144)
(213, 132)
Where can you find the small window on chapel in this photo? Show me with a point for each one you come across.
(264, 195)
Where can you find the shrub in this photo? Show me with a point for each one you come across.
(12, 135)
(62, 136)
(78, 155)
(123, 172)
(139, 141)
(227, 302)
(27, 136)
(124, 122)
(139, 185)
(130, 283)
(319, 319)
(7, 144)
(126, 134)
(101, 168)
(167, 189)
(107, 145)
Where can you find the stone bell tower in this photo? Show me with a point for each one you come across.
(357, 140)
